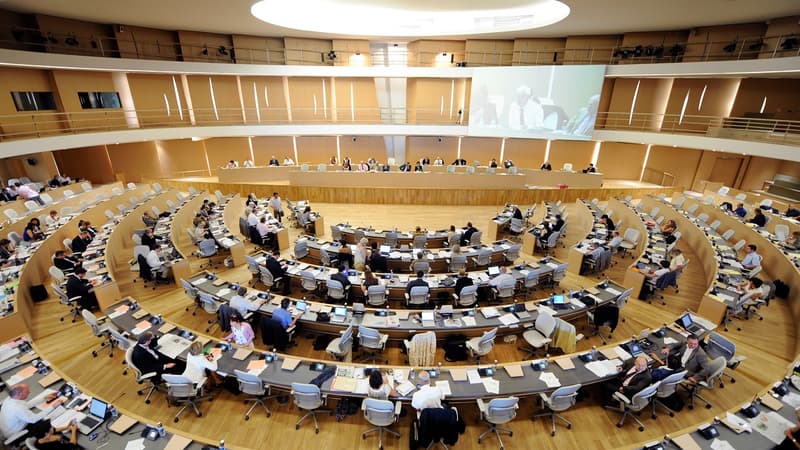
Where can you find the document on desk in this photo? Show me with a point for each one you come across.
(669, 341)
(199, 281)
(491, 385)
(458, 374)
(489, 312)
(565, 363)
(508, 319)
(362, 386)
(405, 388)
(469, 321)
(122, 424)
(343, 384)
(172, 345)
(613, 291)
(792, 400)
(49, 379)
(473, 376)
(732, 262)
(577, 303)
(514, 370)
(444, 386)
(771, 402)
(290, 364)
(21, 375)
(222, 292)
(624, 355)
(736, 423)
(719, 444)
(136, 444)
(547, 309)
(771, 425)
(604, 368)
(177, 443)
(686, 442)
(242, 353)
(550, 379)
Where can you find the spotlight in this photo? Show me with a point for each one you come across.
(222, 50)
(625, 54)
(790, 43)
(658, 52)
(730, 48)
(756, 46)
(638, 50)
(204, 51)
(52, 38)
(331, 55)
(71, 40)
(676, 50)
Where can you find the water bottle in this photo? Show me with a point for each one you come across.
(411, 375)
(221, 444)
(495, 366)
(113, 411)
(160, 429)
(545, 361)
(274, 355)
(594, 353)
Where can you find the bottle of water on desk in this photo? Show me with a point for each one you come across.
(594, 353)
(160, 429)
(221, 444)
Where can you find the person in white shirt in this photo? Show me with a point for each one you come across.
(27, 193)
(288, 161)
(252, 219)
(275, 204)
(265, 229)
(751, 259)
(248, 163)
(52, 219)
(664, 269)
(438, 161)
(616, 240)
(525, 112)
(751, 289)
(16, 415)
(231, 165)
(501, 279)
(243, 305)
(677, 261)
(201, 366)
(154, 261)
(427, 396)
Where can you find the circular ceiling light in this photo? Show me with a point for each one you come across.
(338, 17)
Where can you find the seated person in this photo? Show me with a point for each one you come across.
(467, 234)
(460, 162)
(81, 242)
(283, 316)
(418, 167)
(508, 164)
(79, 286)
(64, 262)
(426, 396)
(147, 359)
(207, 246)
(308, 219)
(341, 277)
(452, 236)
(154, 260)
(658, 273)
(546, 166)
(751, 258)
(55, 439)
(274, 161)
(438, 161)
(85, 225)
(149, 219)
(615, 241)
(377, 262)
(241, 332)
(32, 231)
(517, 213)
(288, 161)
(676, 260)
(590, 169)
(605, 220)
(244, 306)
(278, 271)
(380, 386)
(405, 167)
(268, 232)
(493, 163)
(345, 253)
(632, 376)
(420, 264)
(201, 366)
(369, 280)
(502, 278)
(52, 219)
(419, 281)
(688, 355)
(15, 414)
(793, 241)
(560, 223)
(740, 211)
(759, 219)
(751, 289)
(149, 238)
(7, 249)
(668, 227)
(791, 211)
(462, 281)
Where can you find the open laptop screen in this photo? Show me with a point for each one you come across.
(559, 300)
(340, 310)
(494, 270)
(686, 320)
(427, 315)
(385, 249)
(98, 408)
(301, 306)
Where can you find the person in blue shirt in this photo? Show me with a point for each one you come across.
(283, 315)
(751, 259)
(740, 211)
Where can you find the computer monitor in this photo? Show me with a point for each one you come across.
(385, 249)
(301, 306)
(635, 349)
(686, 320)
(427, 315)
(494, 270)
(559, 300)
(340, 311)
(98, 408)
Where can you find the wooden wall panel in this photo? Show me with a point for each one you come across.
(149, 91)
(576, 152)
(301, 51)
(182, 157)
(22, 80)
(135, 161)
(719, 167)
(356, 100)
(194, 44)
(310, 99)
(526, 152)
(429, 100)
(783, 98)
(44, 169)
(360, 149)
(705, 41)
(590, 49)
(480, 149)
(790, 168)
(717, 97)
(758, 170)
(652, 97)
(418, 147)
(488, 52)
(538, 51)
(681, 162)
(429, 53)
(226, 98)
(70, 82)
(146, 43)
(271, 100)
(88, 162)
(264, 147)
(222, 150)
(258, 50)
(351, 52)
(781, 29)
(621, 161)
(316, 149)
(85, 33)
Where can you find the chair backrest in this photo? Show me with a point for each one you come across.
(781, 231)
(376, 295)
(512, 254)
(157, 187)
(531, 279)
(421, 265)
(468, 296)
(266, 277)
(142, 250)
(502, 410)
(715, 368)
(727, 235)
(252, 264)
(475, 239)
(62, 296)
(654, 212)
(122, 341)
(420, 241)
(210, 305)
(567, 167)
(359, 234)
(336, 233)
(631, 235)
(563, 398)
(170, 204)
(622, 300)
(470, 169)
(486, 344)
(669, 385)
(324, 257)
(307, 280)
(545, 323)
(179, 386)
(335, 290)
(691, 210)
(484, 257)
(418, 295)
(306, 396)
(718, 345)
(57, 274)
(702, 218)
(116, 191)
(458, 262)
(506, 288)
(369, 337)
(250, 384)
(552, 240)
(379, 412)
(738, 246)
(300, 249)
(91, 320)
(136, 238)
(192, 190)
(31, 205)
(15, 238)
(11, 214)
(714, 225)
(68, 193)
(346, 340)
(516, 225)
(643, 397)
(190, 290)
(391, 239)
(322, 167)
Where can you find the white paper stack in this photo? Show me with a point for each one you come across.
(550, 379)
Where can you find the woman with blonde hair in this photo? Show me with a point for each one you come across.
(361, 254)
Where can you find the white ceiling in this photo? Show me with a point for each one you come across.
(587, 16)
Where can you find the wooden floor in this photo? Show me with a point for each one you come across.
(767, 344)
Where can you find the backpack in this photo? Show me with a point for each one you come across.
(455, 348)
(781, 289)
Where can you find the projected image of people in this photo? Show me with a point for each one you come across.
(555, 102)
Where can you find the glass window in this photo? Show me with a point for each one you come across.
(95, 100)
(33, 101)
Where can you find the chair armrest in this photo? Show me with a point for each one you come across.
(481, 405)
(398, 406)
(15, 437)
(408, 296)
(248, 315)
(364, 405)
(291, 329)
(543, 397)
(147, 376)
(619, 396)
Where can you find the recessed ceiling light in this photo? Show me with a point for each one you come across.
(338, 17)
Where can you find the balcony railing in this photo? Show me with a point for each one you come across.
(755, 47)
(43, 124)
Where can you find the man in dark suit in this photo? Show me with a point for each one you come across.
(341, 277)
(149, 239)
(278, 271)
(417, 282)
(405, 167)
(468, 232)
(274, 161)
(462, 281)
(148, 360)
(81, 242)
(688, 355)
(632, 377)
(377, 262)
(546, 166)
(65, 263)
(78, 286)
(460, 162)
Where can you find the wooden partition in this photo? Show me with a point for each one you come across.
(181, 220)
(120, 245)
(630, 219)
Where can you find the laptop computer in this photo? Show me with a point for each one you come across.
(686, 322)
(428, 319)
(95, 418)
(560, 302)
(494, 271)
(385, 250)
(301, 306)
(339, 314)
